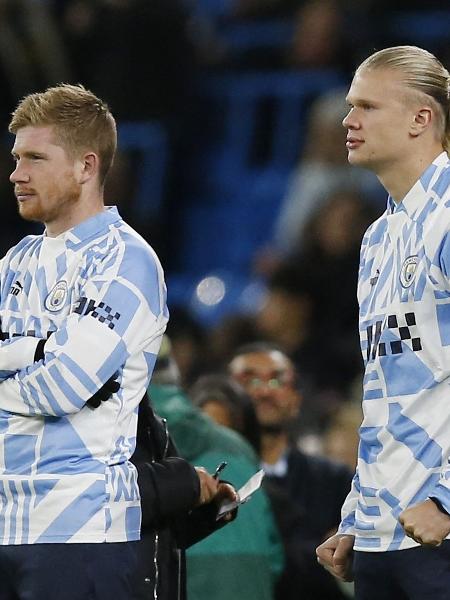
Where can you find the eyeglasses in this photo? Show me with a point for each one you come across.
(274, 383)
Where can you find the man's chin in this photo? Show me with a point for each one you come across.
(28, 213)
(353, 158)
(357, 159)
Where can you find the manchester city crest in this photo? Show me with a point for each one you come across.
(408, 271)
(57, 297)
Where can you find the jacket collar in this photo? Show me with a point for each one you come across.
(415, 200)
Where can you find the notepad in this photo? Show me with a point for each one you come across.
(244, 494)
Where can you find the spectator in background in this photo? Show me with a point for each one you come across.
(227, 403)
(309, 489)
(243, 560)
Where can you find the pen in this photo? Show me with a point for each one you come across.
(219, 469)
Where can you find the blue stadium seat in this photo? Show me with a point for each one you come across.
(225, 232)
(240, 101)
(149, 140)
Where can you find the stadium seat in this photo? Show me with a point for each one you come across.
(148, 139)
(271, 105)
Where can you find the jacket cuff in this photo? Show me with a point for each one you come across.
(441, 495)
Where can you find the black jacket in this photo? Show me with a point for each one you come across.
(307, 506)
(169, 488)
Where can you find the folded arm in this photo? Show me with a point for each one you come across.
(113, 318)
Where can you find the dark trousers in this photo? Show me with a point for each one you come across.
(421, 573)
(68, 571)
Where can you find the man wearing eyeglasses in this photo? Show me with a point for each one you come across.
(306, 491)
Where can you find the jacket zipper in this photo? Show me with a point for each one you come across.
(166, 431)
(155, 554)
(179, 574)
(155, 562)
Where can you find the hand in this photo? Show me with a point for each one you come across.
(208, 486)
(226, 493)
(105, 392)
(425, 523)
(335, 554)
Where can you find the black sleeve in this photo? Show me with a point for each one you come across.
(198, 524)
(168, 484)
(168, 487)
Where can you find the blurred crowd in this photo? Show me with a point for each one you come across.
(150, 59)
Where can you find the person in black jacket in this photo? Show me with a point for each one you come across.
(306, 491)
(179, 507)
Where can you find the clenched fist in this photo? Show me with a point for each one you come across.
(425, 523)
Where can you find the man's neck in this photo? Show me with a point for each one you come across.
(273, 446)
(401, 177)
(80, 213)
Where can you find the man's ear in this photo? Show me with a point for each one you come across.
(88, 167)
(421, 121)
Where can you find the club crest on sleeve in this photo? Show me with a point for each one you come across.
(408, 271)
(57, 297)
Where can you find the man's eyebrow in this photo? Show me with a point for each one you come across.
(28, 153)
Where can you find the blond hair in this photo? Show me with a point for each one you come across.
(82, 122)
(424, 74)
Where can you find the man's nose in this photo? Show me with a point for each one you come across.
(349, 120)
(19, 174)
(263, 390)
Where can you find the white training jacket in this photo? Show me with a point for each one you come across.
(404, 297)
(64, 471)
